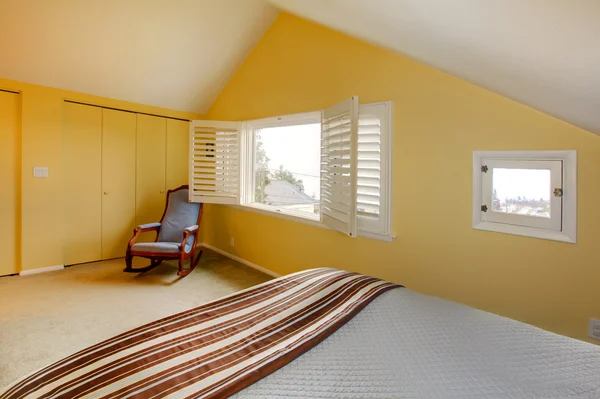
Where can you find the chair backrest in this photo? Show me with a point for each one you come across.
(178, 215)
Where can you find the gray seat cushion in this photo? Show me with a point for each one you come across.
(160, 247)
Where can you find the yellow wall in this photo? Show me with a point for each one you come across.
(438, 121)
(41, 132)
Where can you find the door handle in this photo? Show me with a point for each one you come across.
(106, 193)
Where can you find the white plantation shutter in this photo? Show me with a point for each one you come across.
(339, 147)
(369, 166)
(215, 162)
(374, 149)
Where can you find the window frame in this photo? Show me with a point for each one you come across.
(554, 222)
(247, 174)
(568, 231)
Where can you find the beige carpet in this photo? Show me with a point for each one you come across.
(47, 316)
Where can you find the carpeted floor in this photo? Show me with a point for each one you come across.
(48, 316)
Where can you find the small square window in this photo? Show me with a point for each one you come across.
(521, 193)
(530, 193)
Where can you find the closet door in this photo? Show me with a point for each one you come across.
(82, 151)
(178, 142)
(9, 181)
(150, 169)
(118, 181)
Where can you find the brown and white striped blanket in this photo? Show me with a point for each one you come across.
(214, 350)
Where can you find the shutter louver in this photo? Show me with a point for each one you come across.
(369, 167)
(215, 162)
(339, 148)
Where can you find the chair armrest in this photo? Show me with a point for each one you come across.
(192, 229)
(148, 227)
(187, 232)
(142, 228)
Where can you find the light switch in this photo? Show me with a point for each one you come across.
(40, 171)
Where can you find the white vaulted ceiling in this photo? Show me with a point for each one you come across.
(543, 53)
(179, 54)
(176, 54)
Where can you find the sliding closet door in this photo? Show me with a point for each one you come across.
(118, 181)
(150, 169)
(82, 151)
(178, 142)
(9, 181)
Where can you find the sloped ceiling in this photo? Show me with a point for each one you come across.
(542, 53)
(175, 54)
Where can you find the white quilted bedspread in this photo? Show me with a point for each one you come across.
(408, 345)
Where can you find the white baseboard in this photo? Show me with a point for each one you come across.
(41, 270)
(243, 261)
(220, 251)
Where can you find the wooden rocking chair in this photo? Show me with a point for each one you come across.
(176, 235)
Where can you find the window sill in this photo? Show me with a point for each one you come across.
(526, 231)
(311, 221)
(287, 214)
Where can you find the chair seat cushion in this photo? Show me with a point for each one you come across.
(159, 247)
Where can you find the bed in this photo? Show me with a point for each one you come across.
(331, 334)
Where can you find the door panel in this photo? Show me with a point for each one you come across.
(178, 141)
(150, 169)
(9, 181)
(82, 151)
(118, 181)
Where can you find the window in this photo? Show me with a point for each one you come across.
(328, 168)
(531, 193)
(283, 164)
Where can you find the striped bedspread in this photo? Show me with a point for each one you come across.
(214, 350)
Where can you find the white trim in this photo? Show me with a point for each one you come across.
(302, 118)
(308, 221)
(41, 270)
(293, 214)
(242, 261)
(376, 236)
(247, 144)
(569, 199)
(287, 216)
(388, 167)
(190, 162)
(525, 231)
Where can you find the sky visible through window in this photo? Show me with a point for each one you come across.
(521, 191)
(297, 149)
